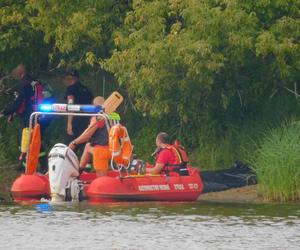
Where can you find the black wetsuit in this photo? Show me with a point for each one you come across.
(82, 95)
(22, 104)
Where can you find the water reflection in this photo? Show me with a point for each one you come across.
(44, 207)
(149, 225)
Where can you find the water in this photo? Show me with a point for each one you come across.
(150, 226)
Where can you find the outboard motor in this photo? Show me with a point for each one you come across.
(63, 173)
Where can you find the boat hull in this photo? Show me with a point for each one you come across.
(114, 188)
(148, 188)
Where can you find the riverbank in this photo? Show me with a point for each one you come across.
(246, 194)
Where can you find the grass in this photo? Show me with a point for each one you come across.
(220, 153)
(7, 176)
(8, 142)
(277, 163)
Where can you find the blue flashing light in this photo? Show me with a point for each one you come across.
(90, 109)
(45, 107)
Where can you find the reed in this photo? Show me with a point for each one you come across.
(277, 163)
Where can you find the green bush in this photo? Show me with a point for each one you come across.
(144, 143)
(8, 142)
(277, 163)
(219, 152)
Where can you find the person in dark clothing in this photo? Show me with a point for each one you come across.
(22, 104)
(22, 107)
(76, 93)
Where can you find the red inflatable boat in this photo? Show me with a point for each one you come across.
(115, 188)
(123, 183)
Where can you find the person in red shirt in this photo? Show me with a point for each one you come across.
(164, 154)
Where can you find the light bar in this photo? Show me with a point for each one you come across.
(45, 107)
(72, 108)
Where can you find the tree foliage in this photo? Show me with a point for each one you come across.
(19, 41)
(193, 67)
(199, 62)
(58, 33)
(79, 31)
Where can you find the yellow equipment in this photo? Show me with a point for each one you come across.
(25, 140)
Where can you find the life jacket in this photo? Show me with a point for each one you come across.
(181, 160)
(120, 145)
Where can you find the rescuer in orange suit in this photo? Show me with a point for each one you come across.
(96, 139)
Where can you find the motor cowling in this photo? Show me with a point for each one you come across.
(63, 173)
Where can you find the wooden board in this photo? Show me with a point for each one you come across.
(112, 102)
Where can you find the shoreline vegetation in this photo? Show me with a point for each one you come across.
(277, 163)
(7, 176)
(220, 76)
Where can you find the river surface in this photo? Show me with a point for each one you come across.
(150, 226)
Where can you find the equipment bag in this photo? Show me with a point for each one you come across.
(42, 92)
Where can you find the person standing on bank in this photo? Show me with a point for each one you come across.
(23, 94)
(76, 93)
(22, 105)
